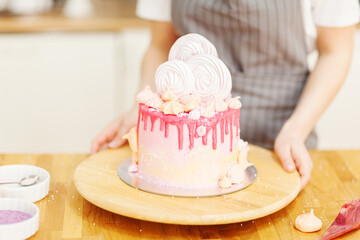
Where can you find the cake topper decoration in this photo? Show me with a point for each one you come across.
(190, 45)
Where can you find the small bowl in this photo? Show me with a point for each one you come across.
(19, 230)
(31, 193)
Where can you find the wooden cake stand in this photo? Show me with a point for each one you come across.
(97, 181)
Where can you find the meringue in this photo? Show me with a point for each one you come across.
(145, 95)
(190, 102)
(131, 136)
(201, 131)
(236, 174)
(234, 103)
(218, 105)
(154, 102)
(194, 114)
(208, 112)
(169, 95)
(172, 107)
(224, 182)
(308, 222)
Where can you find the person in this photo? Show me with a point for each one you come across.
(265, 44)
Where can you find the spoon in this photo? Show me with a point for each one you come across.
(25, 181)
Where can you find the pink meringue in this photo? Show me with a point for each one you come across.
(169, 95)
(224, 182)
(154, 102)
(218, 105)
(236, 174)
(194, 114)
(234, 103)
(208, 112)
(172, 107)
(145, 95)
(131, 136)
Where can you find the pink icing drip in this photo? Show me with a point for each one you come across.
(222, 122)
(226, 119)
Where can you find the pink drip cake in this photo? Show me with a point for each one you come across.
(188, 131)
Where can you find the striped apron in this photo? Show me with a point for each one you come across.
(263, 44)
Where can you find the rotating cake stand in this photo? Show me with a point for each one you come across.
(136, 181)
(97, 181)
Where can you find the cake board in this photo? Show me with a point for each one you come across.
(97, 181)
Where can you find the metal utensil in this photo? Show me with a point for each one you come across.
(25, 181)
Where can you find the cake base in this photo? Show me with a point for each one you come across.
(138, 182)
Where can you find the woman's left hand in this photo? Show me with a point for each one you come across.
(290, 148)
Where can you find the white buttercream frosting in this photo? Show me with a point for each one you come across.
(234, 103)
(172, 107)
(212, 77)
(176, 75)
(190, 45)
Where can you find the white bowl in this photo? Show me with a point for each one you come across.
(20, 230)
(15, 173)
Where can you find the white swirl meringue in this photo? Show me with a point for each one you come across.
(224, 182)
(218, 105)
(145, 95)
(194, 114)
(212, 77)
(177, 76)
(154, 102)
(234, 103)
(172, 107)
(169, 95)
(190, 45)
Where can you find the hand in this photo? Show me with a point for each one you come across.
(290, 148)
(111, 135)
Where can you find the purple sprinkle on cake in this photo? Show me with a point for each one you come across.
(13, 216)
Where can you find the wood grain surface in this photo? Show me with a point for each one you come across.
(64, 214)
(97, 181)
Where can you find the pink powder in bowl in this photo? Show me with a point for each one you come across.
(13, 216)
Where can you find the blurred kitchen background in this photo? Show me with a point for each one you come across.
(68, 67)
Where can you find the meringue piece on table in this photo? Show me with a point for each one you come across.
(308, 222)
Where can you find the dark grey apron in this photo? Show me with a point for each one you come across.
(263, 44)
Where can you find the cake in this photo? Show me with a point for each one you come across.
(188, 131)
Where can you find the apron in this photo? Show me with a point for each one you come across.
(262, 42)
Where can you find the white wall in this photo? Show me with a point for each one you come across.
(57, 90)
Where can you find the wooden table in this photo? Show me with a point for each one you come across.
(64, 214)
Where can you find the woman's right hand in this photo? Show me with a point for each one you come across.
(111, 135)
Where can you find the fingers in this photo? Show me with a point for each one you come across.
(118, 141)
(303, 162)
(101, 141)
(283, 151)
